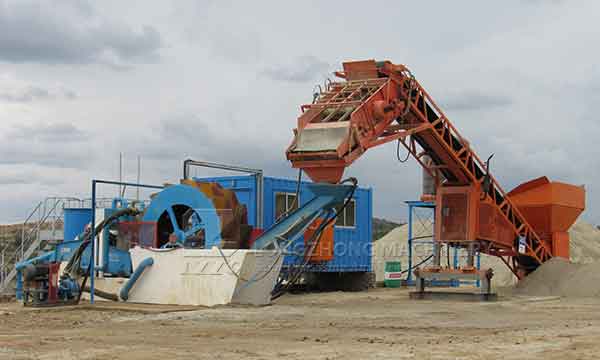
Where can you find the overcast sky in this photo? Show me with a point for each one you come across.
(222, 81)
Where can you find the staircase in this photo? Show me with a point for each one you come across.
(43, 227)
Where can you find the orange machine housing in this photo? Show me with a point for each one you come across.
(463, 216)
(551, 208)
(323, 251)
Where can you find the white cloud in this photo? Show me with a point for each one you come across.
(13, 90)
(68, 32)
(517, 78)
(301, 69)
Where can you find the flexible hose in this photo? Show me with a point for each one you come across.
(417, 265)
(73, 267)
(281, 289)
(102, 294)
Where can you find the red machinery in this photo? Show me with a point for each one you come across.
(379, 102)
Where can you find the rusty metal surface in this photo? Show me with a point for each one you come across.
(381, 102)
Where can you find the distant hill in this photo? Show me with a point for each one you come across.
(10, 235)
(382, 226)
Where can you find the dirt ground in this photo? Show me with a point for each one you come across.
(379, 324)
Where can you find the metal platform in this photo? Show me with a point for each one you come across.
(426, 276)
(451, 295)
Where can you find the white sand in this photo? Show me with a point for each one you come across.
(585, 249)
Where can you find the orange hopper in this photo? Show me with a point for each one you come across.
(550, 208)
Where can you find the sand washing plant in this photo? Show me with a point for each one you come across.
(248, 239)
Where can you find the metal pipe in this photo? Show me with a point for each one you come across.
(470, 254)
(48, 257)
(120, 172)
(410, 242)
(93, 234)
(93, 241)
(124, 293)
(478, 283)
(437, 247)
(2, 268)
(139, 169)
(19, 286)
(256, 172)
(110, 182)
(455, 262)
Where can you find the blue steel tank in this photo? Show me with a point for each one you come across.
(75, 220)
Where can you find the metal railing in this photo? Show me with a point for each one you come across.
(258, 173)
(2, 266)
(46, 215)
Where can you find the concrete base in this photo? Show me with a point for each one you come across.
(206, 277)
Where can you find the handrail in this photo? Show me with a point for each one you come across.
(257, 172)
(47, 210)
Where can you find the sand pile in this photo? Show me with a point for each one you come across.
(585, 243)
(585, 249)
(392, 247)
(502, 275)
(559, 277)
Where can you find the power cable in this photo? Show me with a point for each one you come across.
(398, 153)
(400, 119)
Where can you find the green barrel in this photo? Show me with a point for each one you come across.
(392, 275)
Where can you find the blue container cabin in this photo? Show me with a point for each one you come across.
(352, 232)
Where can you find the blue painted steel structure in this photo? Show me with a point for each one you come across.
(115, 261)
(290, 230)
(192, 198)
(75, 220)
(412, 205)
(352, 244)
(352, 247)
(62, 252)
